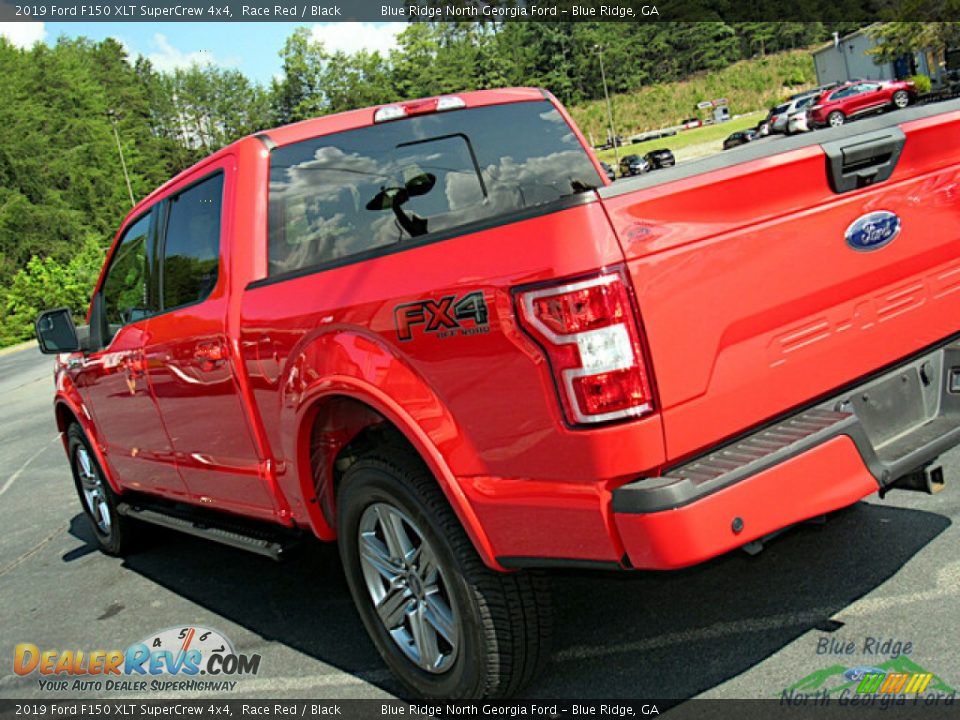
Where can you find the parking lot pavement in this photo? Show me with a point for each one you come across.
(738, 626)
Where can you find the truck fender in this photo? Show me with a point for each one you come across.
(326, 366)
(67, 402)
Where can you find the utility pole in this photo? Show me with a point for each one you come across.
(606, 94)
(126, 176)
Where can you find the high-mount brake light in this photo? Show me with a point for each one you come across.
(591, 337)
(418, 107)
(389, 112)
(449, 102)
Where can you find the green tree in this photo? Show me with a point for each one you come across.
(46, 283)
(298, 94)
(900, 38)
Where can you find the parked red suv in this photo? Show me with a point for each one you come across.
(836, 106)
(434, 332)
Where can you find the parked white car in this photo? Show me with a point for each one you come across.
(797, 122)
(780, 115)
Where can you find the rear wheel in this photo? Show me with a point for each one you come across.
(445, 624)
(901, 99)
(836, 118)
(115, 533)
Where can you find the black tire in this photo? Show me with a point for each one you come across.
(504, 620)
(900, 99)
(118, 536)
(836, 119)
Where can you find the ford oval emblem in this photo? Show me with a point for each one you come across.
(873, 230)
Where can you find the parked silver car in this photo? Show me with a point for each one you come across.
(781, 113)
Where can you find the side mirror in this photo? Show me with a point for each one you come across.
(393, 197)
(56, 332)
(420, 184)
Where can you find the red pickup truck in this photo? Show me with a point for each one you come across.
(435, 332)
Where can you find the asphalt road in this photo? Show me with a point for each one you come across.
(739, 626)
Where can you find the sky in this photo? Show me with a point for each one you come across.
(249, 47)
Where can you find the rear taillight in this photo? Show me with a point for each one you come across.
(591, 338)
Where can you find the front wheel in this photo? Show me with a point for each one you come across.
(446, 625)
(115, 533)
(836, 118)
(901, 99)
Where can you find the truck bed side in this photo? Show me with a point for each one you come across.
(752, 301)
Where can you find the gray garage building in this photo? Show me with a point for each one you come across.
(846, 59)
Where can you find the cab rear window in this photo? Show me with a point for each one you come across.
(340, 195)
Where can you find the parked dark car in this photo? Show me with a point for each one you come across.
(741, 137)
(611, 175)
(633, 165)
(660, 158)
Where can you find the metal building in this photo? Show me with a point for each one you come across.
(846, 59)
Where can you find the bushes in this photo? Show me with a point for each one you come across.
(47, 283)
(922, 82)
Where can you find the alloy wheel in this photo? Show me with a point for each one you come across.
(408, 587)
(94, 495)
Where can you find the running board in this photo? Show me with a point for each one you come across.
(259, 538)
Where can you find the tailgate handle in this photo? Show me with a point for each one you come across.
(864, 160)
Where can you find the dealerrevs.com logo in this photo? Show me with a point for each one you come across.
(178, 659)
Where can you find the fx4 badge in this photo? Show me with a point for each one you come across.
(445, 317)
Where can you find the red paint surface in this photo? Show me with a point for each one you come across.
(749, 302)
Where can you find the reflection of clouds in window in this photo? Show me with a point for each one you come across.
(551, 116)
(385, 230)
(514, 185)
(463, 190)
(324, 175)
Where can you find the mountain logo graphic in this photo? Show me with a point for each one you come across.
(899, 675)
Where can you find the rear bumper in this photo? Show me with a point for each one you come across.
(813, 462)
(819, 481)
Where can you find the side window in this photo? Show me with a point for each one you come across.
(128, 289)
(191, 251)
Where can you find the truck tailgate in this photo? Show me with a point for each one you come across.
(753, 300)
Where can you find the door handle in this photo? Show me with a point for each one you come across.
(865, 160)
(209, 355)
(133, 364)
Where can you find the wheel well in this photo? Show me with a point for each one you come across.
(65, 417)
(340, 432)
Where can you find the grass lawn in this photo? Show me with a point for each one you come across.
(688, 144)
